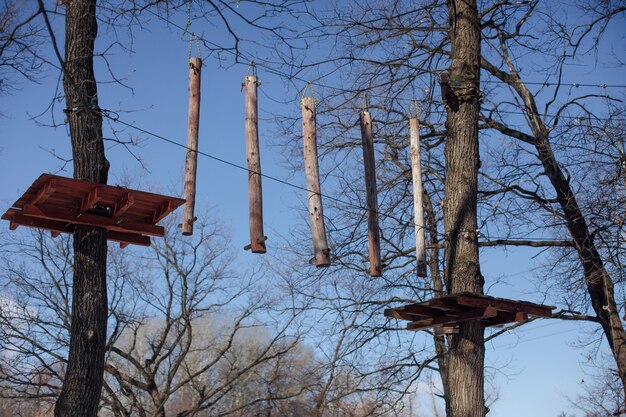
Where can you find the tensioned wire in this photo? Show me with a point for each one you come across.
(238, 55)
(113, 116)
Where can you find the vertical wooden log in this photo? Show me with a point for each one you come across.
(373, 233)
(255, 196)
(418, 197)
(311, 167)
(191, 162)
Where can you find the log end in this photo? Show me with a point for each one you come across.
(322, 259)
(421, 269)
(376, 271)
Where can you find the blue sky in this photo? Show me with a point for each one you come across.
(535, 368)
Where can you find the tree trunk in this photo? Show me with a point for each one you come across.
(439, 339)
(466, 353)
(82, 384)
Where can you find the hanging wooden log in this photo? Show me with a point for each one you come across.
(373, 232)
(418, 197)
(311, 167)
(255, 197)
(191, 162)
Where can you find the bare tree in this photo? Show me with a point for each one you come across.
(565, 155)
(83, 376)
(603, 393)
(395, 52)
(187, 335)
(21, 37)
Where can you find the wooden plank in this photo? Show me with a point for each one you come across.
(418, 197)
(253, 157)
(128, 238)
(45, 192)
(505, 305)
(58, 211)
(57, 227)
(423, 310)
(447, 303)
(413, 312)
(191, 161)
(477, 314)
(311, 168)
(93, 220)
(69, 190)
(373, 232)
(45, 224)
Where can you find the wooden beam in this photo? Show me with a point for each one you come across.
(422, 310)
(45, 192)
(39, 223)
(446, 303)
(93, 220)
(12, 223)
(255, 192)
(477, 314)
(506, 305)
(373, 232)
(191, 161)
(311, 168)
(162, 211)
(90, 199)
(123, 204)
(413, 312)
(126, 239)
(398, 313)
(508, 317)
(418, 197)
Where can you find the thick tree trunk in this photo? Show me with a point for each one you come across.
(82, 384)
(466, 353)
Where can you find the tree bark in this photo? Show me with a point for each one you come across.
(418, 196)
(253, 156)
(311, 168)
(82, 383)
(191, 160)
(371, 192)
(466, 353)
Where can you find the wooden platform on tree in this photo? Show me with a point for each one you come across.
(59, 204)
(450, 310)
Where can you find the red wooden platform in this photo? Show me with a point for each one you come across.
(450, 310)
(58, 204)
